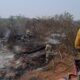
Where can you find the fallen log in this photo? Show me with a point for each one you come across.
(39, 48)
(36, 52)
(29, 50)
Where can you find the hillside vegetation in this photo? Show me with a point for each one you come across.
(40, 27)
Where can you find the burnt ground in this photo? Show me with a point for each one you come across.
(49, 72)
(62, 67)
(32, 66)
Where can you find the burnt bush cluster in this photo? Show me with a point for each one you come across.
(40, 27)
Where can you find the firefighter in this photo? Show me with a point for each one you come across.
(77, 40)
(48, 51)
(77, 44)
(77, 58)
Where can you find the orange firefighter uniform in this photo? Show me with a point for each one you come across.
(77, 40)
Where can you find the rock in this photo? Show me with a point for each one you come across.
(56, 38)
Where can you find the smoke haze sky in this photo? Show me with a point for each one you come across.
(39, 8)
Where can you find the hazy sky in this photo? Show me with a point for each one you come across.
(35, 8)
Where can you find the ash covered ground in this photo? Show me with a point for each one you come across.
(22, 47)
